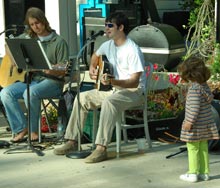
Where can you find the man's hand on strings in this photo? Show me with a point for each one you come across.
(58, 69)
(106, 79)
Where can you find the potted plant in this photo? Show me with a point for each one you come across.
(49, 120)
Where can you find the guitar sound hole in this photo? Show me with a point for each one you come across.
(20, 70)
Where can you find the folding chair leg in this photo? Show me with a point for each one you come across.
(118, 137)
(124, 130)
(146, 130)
(39, 130)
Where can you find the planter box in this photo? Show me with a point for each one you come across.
(157, 127)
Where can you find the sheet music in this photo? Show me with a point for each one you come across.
(32, 49)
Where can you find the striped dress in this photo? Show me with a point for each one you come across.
(198, 112)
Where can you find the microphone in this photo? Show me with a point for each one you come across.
(15, 29)
(20, 27)
(100, 33)
(7, 30)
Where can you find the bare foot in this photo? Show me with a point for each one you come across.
(20, 135)
(34, 136)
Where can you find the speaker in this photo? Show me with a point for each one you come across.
(214, 145)
(15, 11)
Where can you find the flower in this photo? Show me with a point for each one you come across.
(49, 118)
(164, 103)
(174, 78)
(155, 77)
(52, 115)
(155, 66)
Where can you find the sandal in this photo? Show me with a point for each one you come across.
(20, 137)
(20, 140)
(35, 140)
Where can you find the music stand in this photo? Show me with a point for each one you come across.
(28, 54)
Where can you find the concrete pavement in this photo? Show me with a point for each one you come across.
(130, 169)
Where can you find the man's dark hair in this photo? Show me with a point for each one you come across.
(119, 19)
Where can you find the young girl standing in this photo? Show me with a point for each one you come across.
(198, 126)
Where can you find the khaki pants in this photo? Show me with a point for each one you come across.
(112, 103)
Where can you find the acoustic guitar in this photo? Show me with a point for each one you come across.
(9, 73)
(103, 67)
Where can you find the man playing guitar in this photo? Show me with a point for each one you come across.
(128, 81)
(43, 84)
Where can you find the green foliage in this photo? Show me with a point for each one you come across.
(193, 6)
(215, 66)
(206, 32)
(52, 115)
(200, 39)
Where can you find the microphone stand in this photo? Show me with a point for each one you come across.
(80, 153)
(29, 147)
(7, 30)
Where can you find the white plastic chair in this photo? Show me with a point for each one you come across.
(121, 124)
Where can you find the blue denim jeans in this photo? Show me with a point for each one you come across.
(10, 96)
